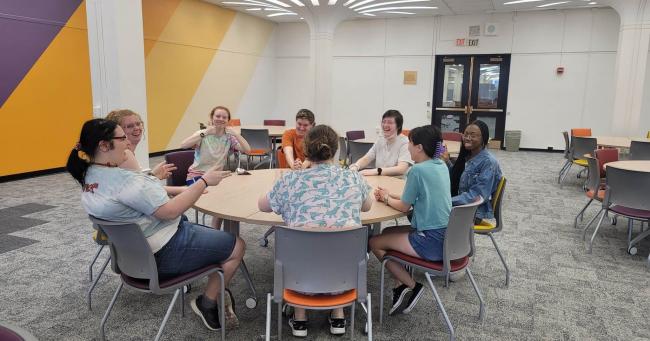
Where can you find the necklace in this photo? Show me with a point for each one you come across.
(107, 164)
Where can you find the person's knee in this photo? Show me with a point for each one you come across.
(240, 248)
(374, 243)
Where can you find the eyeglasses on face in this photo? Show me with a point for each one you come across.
(122, 138)
(133, 125)
(471, 136)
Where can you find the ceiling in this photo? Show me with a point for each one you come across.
(283, 10)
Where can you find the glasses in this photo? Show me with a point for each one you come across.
(133, 125)
(122, 138)
(471, 136)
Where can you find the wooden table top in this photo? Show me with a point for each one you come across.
(633, 165)
(618, 141)
(274, 131)
(453, 147)
(235, 198)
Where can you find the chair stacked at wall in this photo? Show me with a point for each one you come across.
(100, 238)
(355, 135)
(134, 261)
(305, 267)
(487, 228)
(457, 252)
(580, 146)
(182, 159)
(639, 150)
(568, 160)
(9, 332)
(260, 143)
(626, 195)
(357, 150)
(452, 136)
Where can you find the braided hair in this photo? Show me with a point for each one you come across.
(459, 166)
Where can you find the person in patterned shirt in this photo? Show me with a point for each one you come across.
(323, 196)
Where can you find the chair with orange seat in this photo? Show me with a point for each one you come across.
(307, 271)
(487, 228)
(260, 143)
(457, 252)
(583, 132)
(235, 122)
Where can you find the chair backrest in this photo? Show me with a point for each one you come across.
(593, 180)
(648, 134)
(257, 138)
(235, 122)
(355, 135)
(567, 151)
(459, 237)
(320, 261)
(604, 156)
(130, 251)
(581, 132)
(357, 150)
(343, 150)
(279, 123)
(182, 160)
(639, 150)
(582, 145)
(10, 332)
(497, 200)
(627, 188)
(452, 136)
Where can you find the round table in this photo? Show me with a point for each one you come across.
(633, 165)
(453, 147)
(274, 131)
(235, 198)
(617, 141)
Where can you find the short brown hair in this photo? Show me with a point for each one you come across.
(217, 108)
(306, 114)
(118, 115)
(321, 143)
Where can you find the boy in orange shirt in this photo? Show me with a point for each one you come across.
(292, 154)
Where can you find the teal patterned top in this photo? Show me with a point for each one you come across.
(325, 195)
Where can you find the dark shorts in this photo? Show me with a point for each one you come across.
(193, 247)
(428, 244)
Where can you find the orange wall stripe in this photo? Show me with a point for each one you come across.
(155, 16)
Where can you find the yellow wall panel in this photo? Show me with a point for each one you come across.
(42, 118)
(155, 16)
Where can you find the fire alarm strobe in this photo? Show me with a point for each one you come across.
(559, 70)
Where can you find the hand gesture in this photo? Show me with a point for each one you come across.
(368, 172)
(214, 176)
(297, 164)
(163, 170)
(231, 131)
(381, 193)
(210, 130)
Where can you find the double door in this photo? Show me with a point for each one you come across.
(471, 87)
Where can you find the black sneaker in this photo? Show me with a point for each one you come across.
(337, 325)
(416, 293)
(229, 305)
(210, 317)
(398, 298)
(298, 328)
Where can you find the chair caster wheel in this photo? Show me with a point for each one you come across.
(251, 303)
(286, 310)
(365, 329)
(264, 242)
(632, 250)
(187, 289)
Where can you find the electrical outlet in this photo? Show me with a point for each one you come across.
(429, 114)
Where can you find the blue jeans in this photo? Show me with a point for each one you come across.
(428, 243)
(193, 247)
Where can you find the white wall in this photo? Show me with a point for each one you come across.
(371, 55)
(645, 108)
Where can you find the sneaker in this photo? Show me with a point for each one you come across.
(229, 305)
(416, 293)
(398, 298)
(298, 328)
(210, 317)
(337, 325)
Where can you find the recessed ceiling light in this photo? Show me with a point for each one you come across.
(361, 3)
(349, 2)
(398, 12)
(369, 14)
(276, 10)
(298, 3)
(553, 4)
(314, 2)
(389, 3)
(398, 8)
(592, 3)
(254, 9)
(247, 3)
(279, 3)
(520, 2)
(279, 14)
(331, 2)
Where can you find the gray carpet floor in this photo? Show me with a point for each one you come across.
(558, 291)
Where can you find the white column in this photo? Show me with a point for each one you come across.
(631, 61)
(116, 45)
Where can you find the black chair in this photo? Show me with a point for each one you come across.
(639, 150)
(182, 160)
(134, 261)
(355, 135)
(357, 150)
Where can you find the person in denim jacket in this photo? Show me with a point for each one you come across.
(476, 171)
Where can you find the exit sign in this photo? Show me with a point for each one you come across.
(466, 42)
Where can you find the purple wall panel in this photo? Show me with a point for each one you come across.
(26, 29)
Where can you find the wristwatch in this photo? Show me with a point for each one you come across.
(378, 171)
(202, 134)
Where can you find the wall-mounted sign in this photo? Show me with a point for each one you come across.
(475, 31)
(410, 77)
(466, 42)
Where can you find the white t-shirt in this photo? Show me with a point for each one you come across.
(120, 195)
(389, 155)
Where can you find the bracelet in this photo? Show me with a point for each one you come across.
(386, 199)
(205, 182)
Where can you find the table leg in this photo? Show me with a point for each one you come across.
(232, 227)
